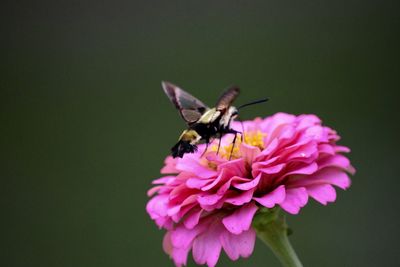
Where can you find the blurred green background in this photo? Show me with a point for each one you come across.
(85, 125)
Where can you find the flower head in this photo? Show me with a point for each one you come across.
(207, 203)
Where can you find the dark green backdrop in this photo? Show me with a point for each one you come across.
(85, 125)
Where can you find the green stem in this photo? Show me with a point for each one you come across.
(271, 228)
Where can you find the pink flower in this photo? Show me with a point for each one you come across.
(208, 203)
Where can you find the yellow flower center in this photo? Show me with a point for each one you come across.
(255, 138)
(232, 151)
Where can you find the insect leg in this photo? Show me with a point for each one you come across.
(242, 133)
(205, 150)
(219, 142)
(233, 145)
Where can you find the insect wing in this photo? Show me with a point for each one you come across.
(189, 107)
(227, 97)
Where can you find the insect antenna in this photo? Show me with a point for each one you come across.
(246, 105)
(253, 103)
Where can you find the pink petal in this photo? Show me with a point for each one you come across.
(300, 144)
(182, 237)
(164, 222)
(330, 175)
(322, 193)
(235, 179)
(189, 200)
(180, 192)
(326, 148)
(265, 163)
(190, 163)
(339, 161)
(342, 149)
(223, 188)
(154, 190)
(241, 219)
(334, 176)
(192, 219)
(240, 198)
(235, 167)
(238, 245)
(197, 183)
(305, 153)
(163, 180)
(172, 210)
(249, 153)
(295, 199)
(185, 208)
(169, 167)
(167, 245)
(207, 246)
(248, 185)
(269, 149)
(270, 199)
(307, 120)
(286, 132)
(220, 177)
(308, 169)
(157, 206)
(316, 132)
(209, 199)
(179, 255)
(273, 169)
(262, 164)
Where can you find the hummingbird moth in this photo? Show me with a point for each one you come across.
(203, 122)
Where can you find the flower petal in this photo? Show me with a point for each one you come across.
(249, 153)
(339, 161)
(322, 193)
(330, 175)
(240, 198)
(220, 178)
(157, 206)
(179, 255)
(307, 169)
(192, 219)
(167, 244)
(170, 164)
(197, 182)
(209, 199)
(275, 197)
(207, 246)
(294, 200)
(238, 245)
(273, 169)
(153, 190)
(342, 149)
(326, 148)
(182, 237)
(334, 176)
(190, 163)
(241, 219)
(235, 167)
(247, 185)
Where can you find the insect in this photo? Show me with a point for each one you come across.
(203, 123)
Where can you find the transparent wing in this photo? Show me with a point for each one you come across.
(227, 97)
(189, 107)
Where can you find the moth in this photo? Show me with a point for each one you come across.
(203, 123)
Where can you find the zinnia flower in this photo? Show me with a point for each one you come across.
(207, 202)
